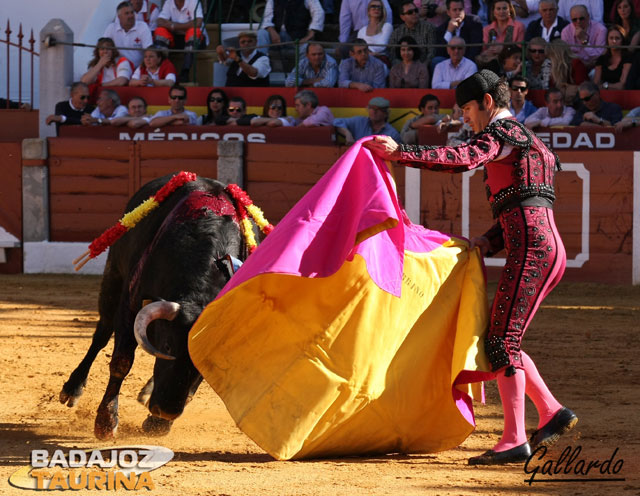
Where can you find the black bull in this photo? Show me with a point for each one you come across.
(173, 258)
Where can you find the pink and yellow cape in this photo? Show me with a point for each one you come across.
(350, 330)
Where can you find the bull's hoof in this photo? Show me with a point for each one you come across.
(70, 395)
(156, 426)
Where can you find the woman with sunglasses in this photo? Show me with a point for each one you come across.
(613, 67)
(538, 66)
(107, 67)
(377, 31)
(409, 72)
(155, 70)
(217, 103)
(274, 113)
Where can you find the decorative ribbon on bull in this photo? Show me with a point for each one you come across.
(244, 206)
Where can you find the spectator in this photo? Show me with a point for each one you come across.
(409, 72)
(317, 69)
(526, 11)
(587, 33)
(107, 67)
(377, 31)
(147, 12)
(361, 71)
(176, 114)
(429, 108)
(108, 108)
(449, 73)
(508, 63)
(127, 32)
(435, 11)
(286, 20)
(459, 24)
(593, 111)
(217, 104)
(354, 15)
(624, 14)
(354, 128)
(136, 114)
(238, 112)
(247, 68)
(274, 113)
(421, 31)
(180, 26)
(309, 112)
(520, 107)
(70, 112)
(504, 29)
(538, 66)
(555, 113)
(594, 9)
(613, 67)
(549, 26)
(632, 119)
(567, 70)
(155, 70)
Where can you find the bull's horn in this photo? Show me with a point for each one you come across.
(157, 310)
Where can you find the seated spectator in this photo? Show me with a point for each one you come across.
(555, 113)
(317, 69)
(593, 111)
(632, 119)
(108, 108)
(274, 113)
(309, 112)
(147, 12)
(176, 114)
(180, 26)
(430, 115)
(587, 34)
(459, 24)
(354, 128)
(549, 26)
(520, 107)
(238, 112)
(217, 104)
(594, 9)
(508, 63)
(613, 67)
(450, 72)
(136, 114)
(409, 72)
(361, 71)
(107, 67)
(127, 32)
(377, 31)
(248, 67)
(284, 21)
(70, 112)
(435, 11)
(353, 16)
(503, 30)
(538, 66)
(156, 70)
(567, 70)
(624, 15)
(421, 31)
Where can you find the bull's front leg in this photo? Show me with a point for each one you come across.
(107, 418)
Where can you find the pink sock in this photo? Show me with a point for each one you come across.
(538, 391)
(512, 390)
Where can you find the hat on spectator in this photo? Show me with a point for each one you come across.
(380, 102)
(475, 86)
(248, 34)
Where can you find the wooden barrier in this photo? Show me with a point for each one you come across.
(11, 207)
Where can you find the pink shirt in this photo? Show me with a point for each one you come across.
(321, 116)
(597, 36)
(491, 29)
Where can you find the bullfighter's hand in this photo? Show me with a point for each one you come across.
(481, 242)
(383, 146)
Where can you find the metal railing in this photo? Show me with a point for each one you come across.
(21, 49)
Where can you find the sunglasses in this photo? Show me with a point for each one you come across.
(378, 7)
(454, 47)
(234, 109)
(84, 97)
(275, 107)
(578, 19)
(521, 89)
(538, 50)
(410, 11)
(216, 99)
(587, 98)
(178, 97)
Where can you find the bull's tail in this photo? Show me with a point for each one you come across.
(245, 209)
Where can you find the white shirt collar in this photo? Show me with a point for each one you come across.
(503, 114)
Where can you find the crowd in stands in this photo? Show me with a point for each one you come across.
(572, 50)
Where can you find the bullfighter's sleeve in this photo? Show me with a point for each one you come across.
(480, 150)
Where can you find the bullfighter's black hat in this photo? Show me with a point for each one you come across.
(475, 86)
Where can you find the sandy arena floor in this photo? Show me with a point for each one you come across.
(585, 341)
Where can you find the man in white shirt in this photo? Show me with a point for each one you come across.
(448, 73)
(136, 116)
(146, 12)
(175, 115)
(108, 108)
(554, 114)
(127, 32)
(247, 66)
(287, 20)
